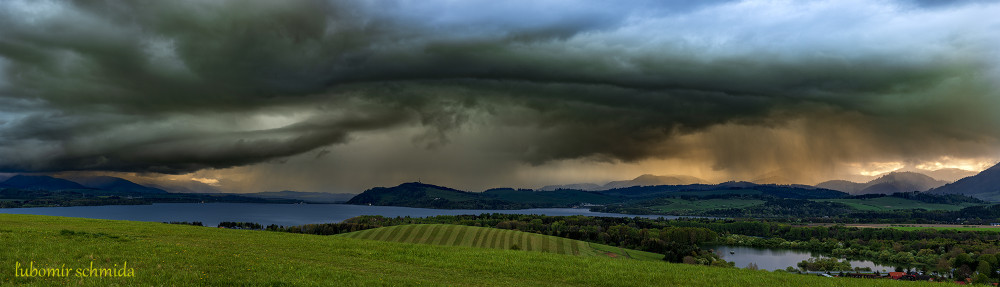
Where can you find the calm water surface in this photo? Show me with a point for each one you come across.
(772, 259)
(281, 214)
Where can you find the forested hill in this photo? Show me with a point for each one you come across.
(431, 196)
(416, 194)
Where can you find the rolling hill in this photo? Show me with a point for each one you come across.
(190, 255)
(482, 237)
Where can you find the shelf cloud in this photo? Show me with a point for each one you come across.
(737, 88)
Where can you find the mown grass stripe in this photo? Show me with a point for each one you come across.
(484, 238)
(416, 236)
(575, 246)
(364, 234)
(459, 236)
(519, 240)
(528, 244)
(447, 232)
(478, 238)
(351, 234)
(491, 238)
(511, 239)
(505, 239)
(429, 238)
(442, 235)
(507, 236)
(393, 233)
(406, 233)
(377, 233)
(559, 246)
(498, 239)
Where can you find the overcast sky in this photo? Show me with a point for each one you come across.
(340, 96)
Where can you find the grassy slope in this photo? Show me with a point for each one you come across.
(165, 254)
(892, 203)
(482, 237)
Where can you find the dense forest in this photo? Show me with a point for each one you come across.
(806, 210)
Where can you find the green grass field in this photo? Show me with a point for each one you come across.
(986, 229)
(893, 203)
(677, 204)
(179, 255)
(482, 237)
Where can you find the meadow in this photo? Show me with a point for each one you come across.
(482, 237)
(952, 228)
(894, 203)
(668, 205)
(165, 254)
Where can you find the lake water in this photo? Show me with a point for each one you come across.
(211, 214)
(772, 259)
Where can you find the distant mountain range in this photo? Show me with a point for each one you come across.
(107, 183)
(115, 184)
(317, 197)
(642, 180)
(985, 185)
(949, 174)
(415, 194)
(40, 182)
(886, 184)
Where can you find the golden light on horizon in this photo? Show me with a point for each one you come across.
(878, 168)
(963, 164)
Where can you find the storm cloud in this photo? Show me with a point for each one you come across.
(742, 87)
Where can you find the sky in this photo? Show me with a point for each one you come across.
(341, 96)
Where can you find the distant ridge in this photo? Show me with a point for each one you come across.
(111, 183)
(886, 184)
(642, 180)
(40, 182)
(415, 194)
(949, 174)
(319, 197)
(985, 185)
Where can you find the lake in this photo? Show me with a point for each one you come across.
(772, 259)
(211, 214)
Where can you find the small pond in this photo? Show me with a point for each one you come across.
(772, 259)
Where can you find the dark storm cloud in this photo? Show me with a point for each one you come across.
(179, 86)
